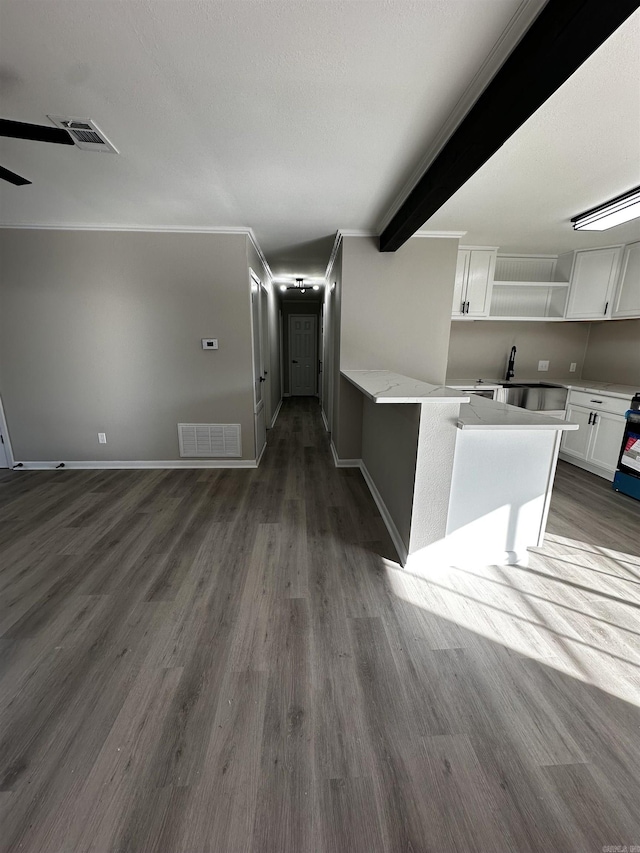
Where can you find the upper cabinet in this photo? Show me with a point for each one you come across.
(474, 279)
(592, 283)
(627, 299)
(587, 284)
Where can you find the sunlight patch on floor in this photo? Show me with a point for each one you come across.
(582, 623)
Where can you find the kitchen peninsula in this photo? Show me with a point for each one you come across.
(458, 480)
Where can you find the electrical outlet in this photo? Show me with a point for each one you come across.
(102, 438)
(572, 367)
(543, 365)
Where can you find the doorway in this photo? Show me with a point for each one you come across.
(5, 448)
(303, 355)
(259, 378)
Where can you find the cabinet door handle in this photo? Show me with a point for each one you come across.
(606, 305)
(595, 419)
(462, 309)
(596, 401)
(590, 417)
(468, 303)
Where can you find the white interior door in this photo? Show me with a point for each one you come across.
(303, 354)
(258, 371)
(4, 441)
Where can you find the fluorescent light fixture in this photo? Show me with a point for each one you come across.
(316, 287)
(621, 209)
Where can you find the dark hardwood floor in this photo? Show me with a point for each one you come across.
(223, 661)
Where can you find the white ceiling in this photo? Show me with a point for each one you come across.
(580, 149)
(296, 118)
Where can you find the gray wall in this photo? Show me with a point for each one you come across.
(100, 331)
(395, 314)
(613, 352)
(480, 349)
(396, 306)
(389, 451)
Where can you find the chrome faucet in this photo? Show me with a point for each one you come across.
(511, 366)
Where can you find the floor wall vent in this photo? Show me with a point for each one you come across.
(210, 440)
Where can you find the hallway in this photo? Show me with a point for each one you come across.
(212, 661)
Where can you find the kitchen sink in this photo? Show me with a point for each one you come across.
(535, 396)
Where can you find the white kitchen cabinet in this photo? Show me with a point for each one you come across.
(607, 431)
(474, 279)
(596, 444)
(627, 299)
(576, 443)
(592, 283)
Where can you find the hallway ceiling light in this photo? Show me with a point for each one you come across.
(316, 287)
(620, 209)
(283, 287)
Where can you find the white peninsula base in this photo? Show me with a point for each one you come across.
(477, 479)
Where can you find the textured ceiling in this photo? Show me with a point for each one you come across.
(293, 118)
(580, 149)
(297, 118)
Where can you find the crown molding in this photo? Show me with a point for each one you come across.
(232, 229)
(334, 253)
(356, 232)
(439, 235)
(260, 253)
(510, 36)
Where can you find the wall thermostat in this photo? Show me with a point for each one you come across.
(209, 343)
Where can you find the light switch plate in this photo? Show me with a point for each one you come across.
(572, 367)
(543, 365)
(209, 343)
(102, 438)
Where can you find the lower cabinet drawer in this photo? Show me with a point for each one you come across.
(599, 402)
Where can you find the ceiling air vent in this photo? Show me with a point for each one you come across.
(85, 133)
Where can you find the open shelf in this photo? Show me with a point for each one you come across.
(528, 300)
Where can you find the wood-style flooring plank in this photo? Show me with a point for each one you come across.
(232, 660)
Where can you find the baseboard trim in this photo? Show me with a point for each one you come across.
(276, 413)
(259, 459)
(389, 523)
(343, 463)
(588, 466)
(324, 420)
(394, 533)
(144, 464)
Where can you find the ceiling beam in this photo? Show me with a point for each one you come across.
(562, 37)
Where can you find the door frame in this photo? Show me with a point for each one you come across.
(256, 359)
(7, 441)
(315, 345)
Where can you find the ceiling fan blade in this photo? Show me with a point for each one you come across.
(37, 132)
(6, 175)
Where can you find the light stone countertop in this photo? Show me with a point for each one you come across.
(384, 386)
(625, 392)
(482, 413)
